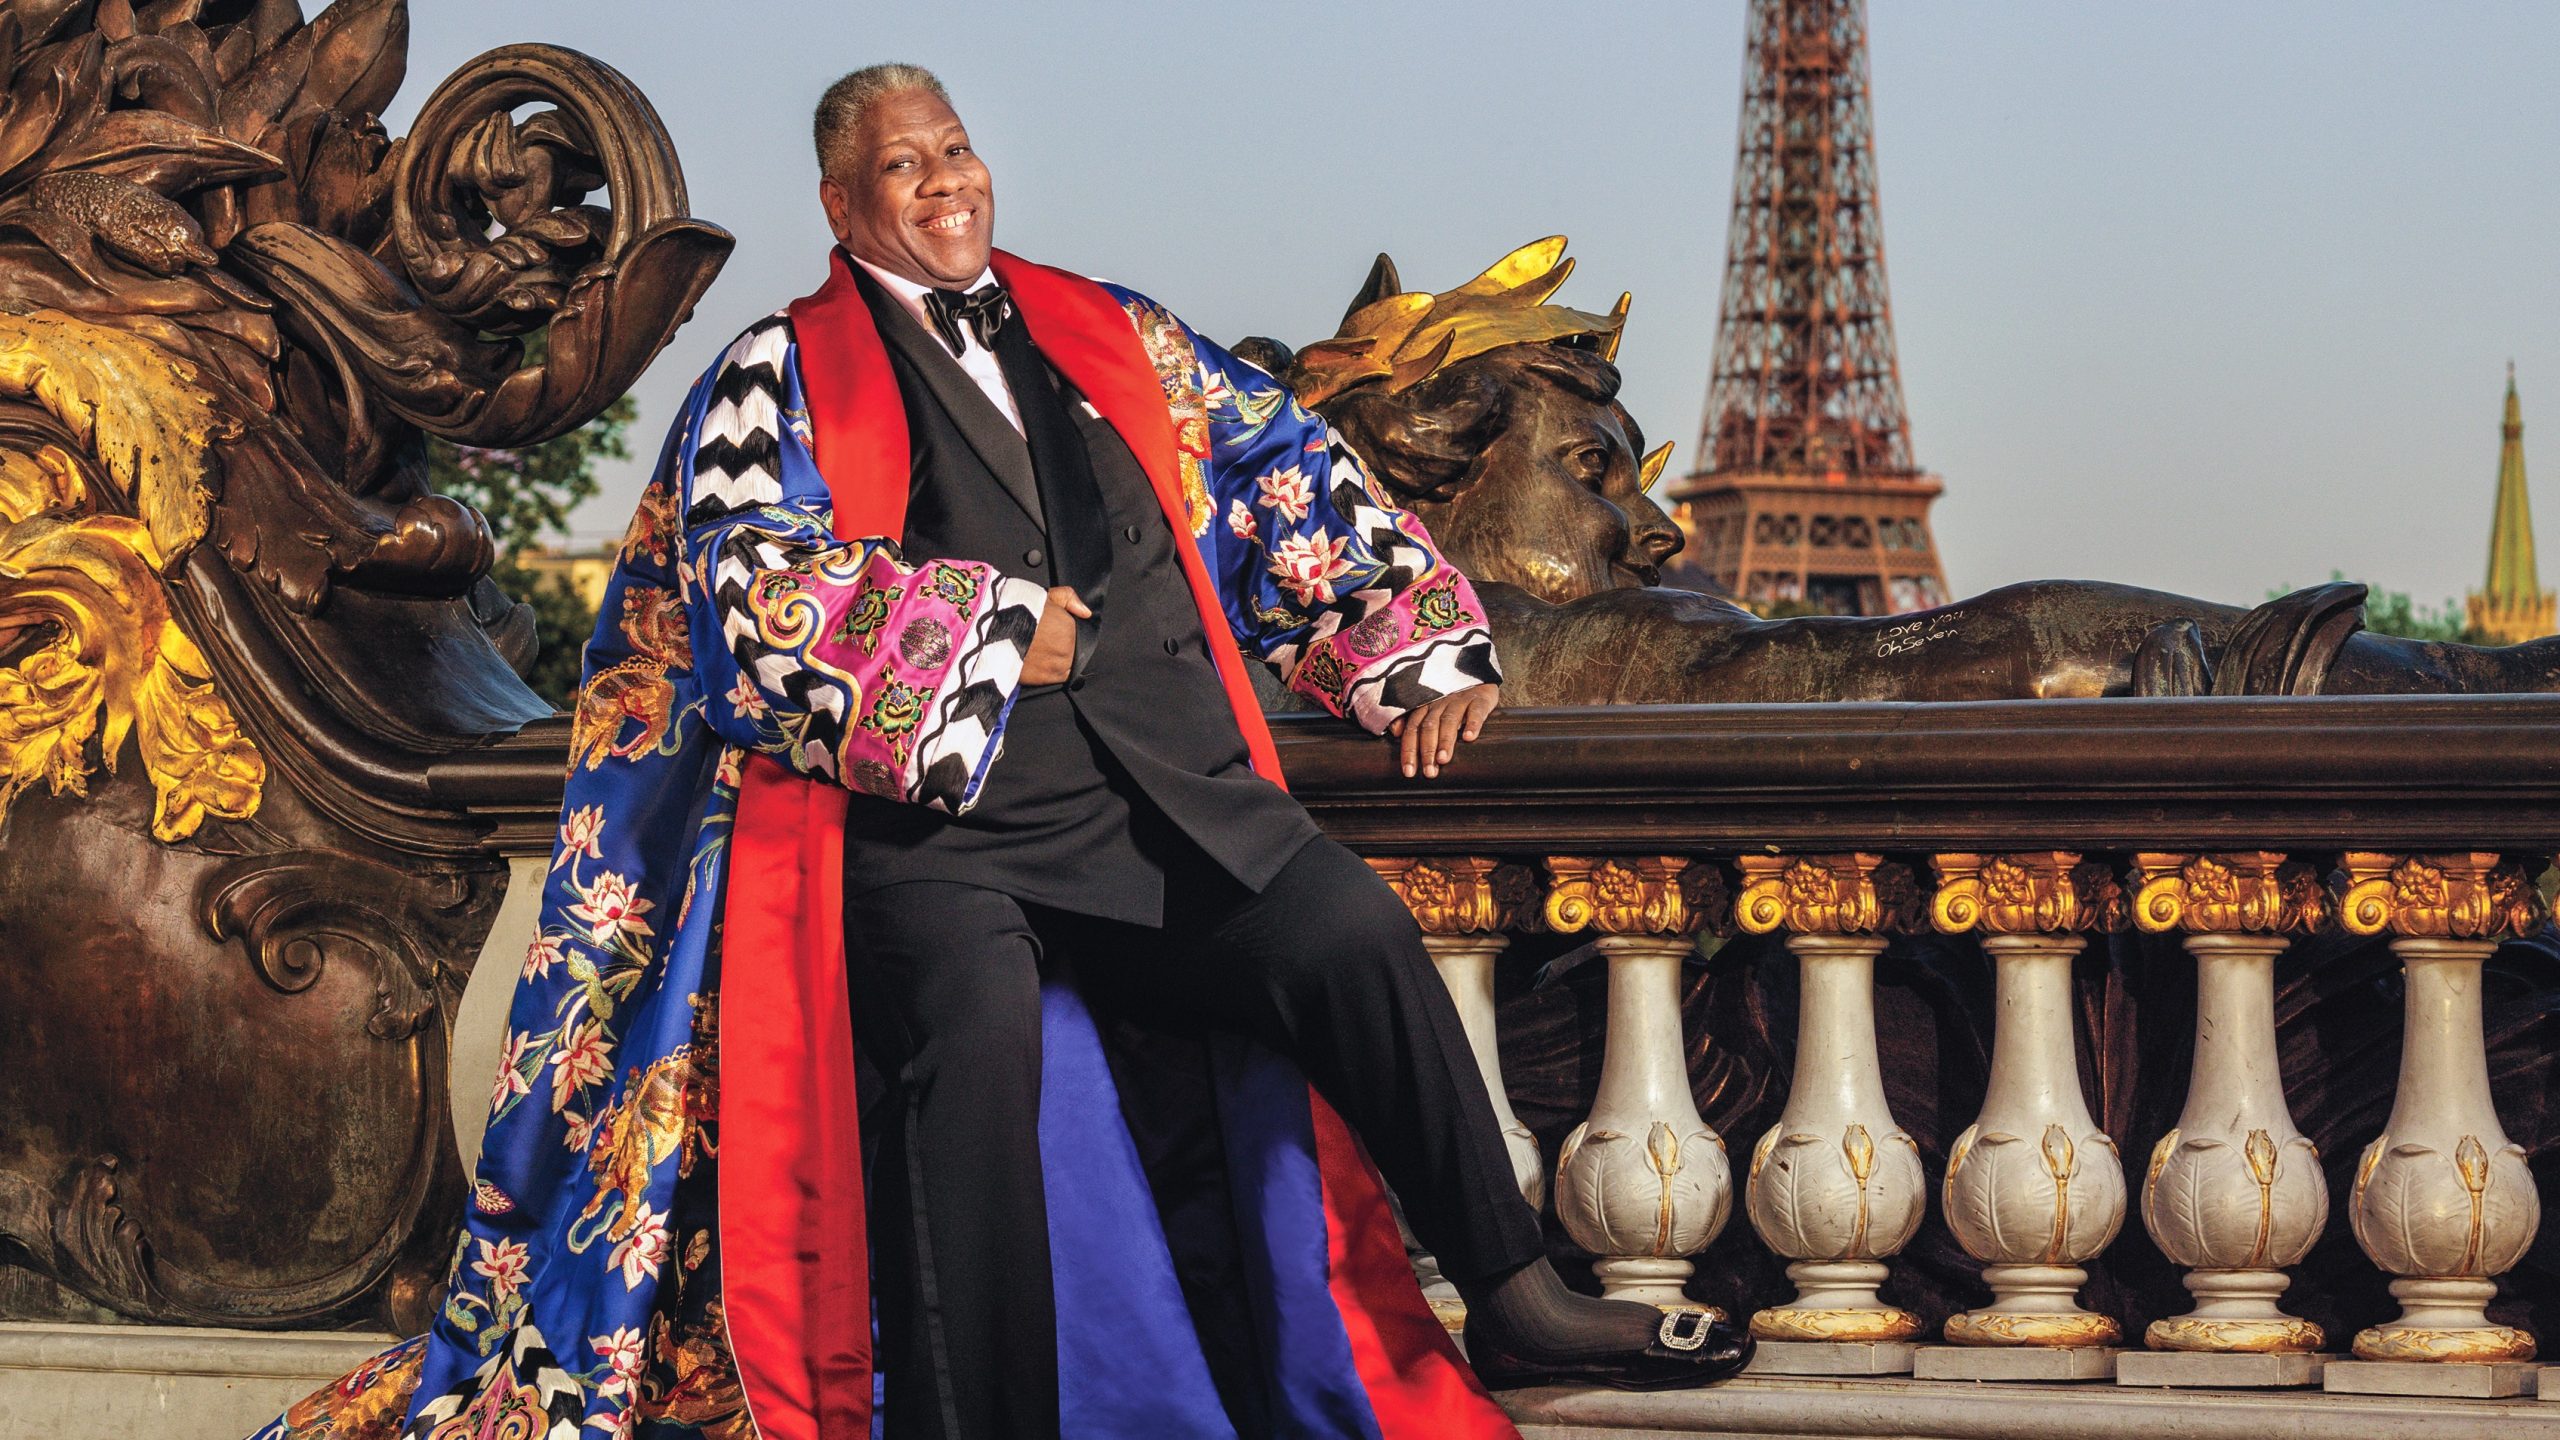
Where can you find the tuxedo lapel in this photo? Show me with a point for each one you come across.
(999, 446)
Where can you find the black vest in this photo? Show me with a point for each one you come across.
(1103, 781)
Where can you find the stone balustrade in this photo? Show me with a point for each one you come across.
(1966, 951)
(2034, 1188)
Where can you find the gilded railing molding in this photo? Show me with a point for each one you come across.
(1636, 895)
(1462, 894)
(2037, 892)
(1847, 894)
(2232, 893)
(2469, 895)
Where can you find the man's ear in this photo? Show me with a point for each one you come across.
(837, 201)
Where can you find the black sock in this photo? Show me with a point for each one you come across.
(1530, 1313)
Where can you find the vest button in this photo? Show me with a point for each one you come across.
(1076, 684)
(1033, 558)
(1172, 646)
(1132, 533)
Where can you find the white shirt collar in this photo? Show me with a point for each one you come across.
(910, 294)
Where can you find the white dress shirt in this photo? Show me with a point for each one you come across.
(975, 358)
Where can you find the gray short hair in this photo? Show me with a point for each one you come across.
(841, 109)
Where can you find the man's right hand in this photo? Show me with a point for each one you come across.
(1053, 645)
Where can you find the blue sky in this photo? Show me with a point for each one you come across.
(2206, 296)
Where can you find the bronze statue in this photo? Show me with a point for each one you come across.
(1495, 416)
(236, 629)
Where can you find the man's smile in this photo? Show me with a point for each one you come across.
(950, 222)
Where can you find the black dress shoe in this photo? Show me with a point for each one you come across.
(1696, 1346)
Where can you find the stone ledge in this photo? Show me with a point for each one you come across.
(1754, 1408)
(124, 1382)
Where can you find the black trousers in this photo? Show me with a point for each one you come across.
(1324, 965)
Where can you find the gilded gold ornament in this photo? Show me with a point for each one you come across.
(1461, 895)
(2286, 1336)
(2471, 895)
(2478, 1344)
(1405, 338)
(109, 660)
(1852, 894)
(2060, 1332)
(1835, 1327)
(1635, 895)
(2244, 892)
(2043, 892)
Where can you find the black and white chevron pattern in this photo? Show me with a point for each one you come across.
(525, 1365)
(737, 459)
(952, 752)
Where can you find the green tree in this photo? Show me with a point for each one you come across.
(2392, 612)
(527, 494)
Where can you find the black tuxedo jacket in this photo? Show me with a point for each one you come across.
(1104, 780)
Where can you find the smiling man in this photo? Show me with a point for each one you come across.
(940, 608)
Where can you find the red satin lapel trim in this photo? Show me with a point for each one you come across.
(857, 420)
(795, 1262)
(1085, 333)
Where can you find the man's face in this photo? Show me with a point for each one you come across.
(914, 198)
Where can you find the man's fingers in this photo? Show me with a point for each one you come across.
(1411, 735)
(1066, 595)
(1479, 710)
(1433, 749)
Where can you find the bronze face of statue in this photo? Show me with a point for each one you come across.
(1495, 416)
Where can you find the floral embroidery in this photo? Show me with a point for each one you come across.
(863, 619)
(490, 1199)
(1308, 565)
(1287, 493)
(896, 710)
(643, 1249)
(953, 586)
(582, 1062)
(746, 699)
(512, 1080)
(1240, 520)
(580, 829)
(610, 908)
(623, 1352)
(1439, 608)
(507, 1265)
(545, 952)
(1322, 669)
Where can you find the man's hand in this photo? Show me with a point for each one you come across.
(1053, 645)
(1431, 732)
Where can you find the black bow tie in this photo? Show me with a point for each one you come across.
(983, 310)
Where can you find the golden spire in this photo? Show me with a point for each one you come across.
(2512, 606)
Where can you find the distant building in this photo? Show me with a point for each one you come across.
(584, 569)
(2513, 606)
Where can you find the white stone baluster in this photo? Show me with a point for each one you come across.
(1643, 1183)
(2234, 1193)
(1835, 1186)
(2443, 1200)
(1466, 965)
(2033, 1187)
(1462, 905)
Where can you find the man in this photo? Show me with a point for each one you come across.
(919, 695)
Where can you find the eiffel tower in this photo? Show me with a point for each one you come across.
(1806, 498)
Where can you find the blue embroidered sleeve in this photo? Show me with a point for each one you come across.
(1323, 575)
